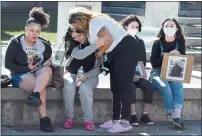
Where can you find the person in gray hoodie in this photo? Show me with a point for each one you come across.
(79, 53)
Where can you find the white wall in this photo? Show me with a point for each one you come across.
(63, 10)
(157, 12)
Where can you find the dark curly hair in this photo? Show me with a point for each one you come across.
(38, 16)
(130, 18)
(69, 42)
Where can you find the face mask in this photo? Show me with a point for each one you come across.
(132, 32)
(169, 31)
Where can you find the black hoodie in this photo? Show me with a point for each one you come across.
(142, 50)
(16, 58)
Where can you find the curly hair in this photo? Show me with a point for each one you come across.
(37, 15)
(130, 18)
(69, 42)
(82, 16)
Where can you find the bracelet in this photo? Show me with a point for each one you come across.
(97, 57)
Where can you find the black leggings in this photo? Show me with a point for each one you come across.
(146, 86)
(123, 60)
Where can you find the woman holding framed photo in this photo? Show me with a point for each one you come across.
(171, 40)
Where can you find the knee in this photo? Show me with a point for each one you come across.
(85, 90)
(69, 87)
(47, 70)
(179, 85)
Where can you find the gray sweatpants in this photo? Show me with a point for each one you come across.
(85, 93)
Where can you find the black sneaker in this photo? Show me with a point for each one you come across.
(45, 125)
(146, 119)
(34, 100)
(134, 120)
(179, 123)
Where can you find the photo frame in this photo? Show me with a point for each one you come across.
(177, 67)
(140, 70)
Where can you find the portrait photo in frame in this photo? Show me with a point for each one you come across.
(177, 67)
(140, 70)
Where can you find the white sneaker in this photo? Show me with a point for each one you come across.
(120, 127)
(109, 123)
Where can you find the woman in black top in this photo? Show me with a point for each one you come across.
(132, 24)
(171, 40)
(28, 59)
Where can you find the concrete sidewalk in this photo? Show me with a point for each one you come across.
(160, 128)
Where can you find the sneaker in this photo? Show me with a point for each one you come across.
(69, 124)
(134, 121)
(45, 125)
(34, 100)
(178, 123)
(146, 119)
(108, 124)
(89, 126)
(170, 117)
(120, 127)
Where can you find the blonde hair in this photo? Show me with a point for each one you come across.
(81, 17)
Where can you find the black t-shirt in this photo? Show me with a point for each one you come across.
(142, 50)
(156, 58)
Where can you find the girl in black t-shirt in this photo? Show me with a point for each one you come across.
(171, 40)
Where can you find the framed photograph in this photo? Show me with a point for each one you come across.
(177, 67)
(140, 70)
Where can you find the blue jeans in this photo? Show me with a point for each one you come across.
(172, 93)
(16, 79)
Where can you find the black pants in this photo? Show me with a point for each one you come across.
(123, 60)
(146, 86)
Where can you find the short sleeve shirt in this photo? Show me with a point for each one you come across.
(31, 51)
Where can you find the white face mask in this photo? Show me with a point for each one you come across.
(132, 32)
(169, 31)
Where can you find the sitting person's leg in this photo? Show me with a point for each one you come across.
(86, 97)
(134, 120)
(43, 76)
(147, 87)
(28, 84)
(45, 121)
(68, 99)
(178, 96)
(167, 95)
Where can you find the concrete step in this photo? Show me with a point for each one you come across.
(160, 128)
(190, 21)
(119, 17)
(128, 4)
(191, 5)
(197, 56)
(190, 13)
(15, 113)
(124, 10)
(187, 21)
(191, 30)
(193, 41)
(148, 39)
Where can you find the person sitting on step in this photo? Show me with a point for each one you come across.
(28, 59)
